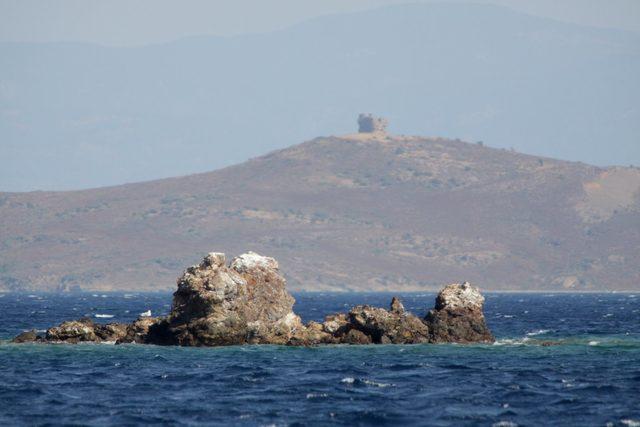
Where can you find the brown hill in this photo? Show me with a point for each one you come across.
(357, 212)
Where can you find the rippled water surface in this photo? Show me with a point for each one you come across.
(591, 377)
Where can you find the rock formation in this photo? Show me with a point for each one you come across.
(27, 336)
(75, 331)
(458, 316)
(215, 304)
(246, 302)
(84, 330)
(372, 325)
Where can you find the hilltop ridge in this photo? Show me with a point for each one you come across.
(354, 213)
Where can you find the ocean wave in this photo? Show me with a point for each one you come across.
(365, 381)
(538, 332)
(512, 341)
(531, 339)
(316, 395)
(104, 316)
(376, 383)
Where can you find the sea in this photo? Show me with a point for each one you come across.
(590, 376)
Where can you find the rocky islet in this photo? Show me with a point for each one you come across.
(246, 302)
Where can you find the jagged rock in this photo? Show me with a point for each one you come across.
(73, 331)
(313, 333)
(456, 296)
(336, 324)
(365, 325)
(388, 326)
(111, 332)
(251, 260)
(458, 317)
(355, 336)
(396, 306)
(244, 303)
(27, 336)
(137, 331)
(85, 330)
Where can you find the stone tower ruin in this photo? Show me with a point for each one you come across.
(367, 123)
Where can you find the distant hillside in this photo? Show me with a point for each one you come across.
(342, 213)
(80, 115)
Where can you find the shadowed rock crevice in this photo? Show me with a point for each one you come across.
(246, 302)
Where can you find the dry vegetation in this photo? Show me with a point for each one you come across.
(351, 213)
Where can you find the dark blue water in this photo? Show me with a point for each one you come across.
(591, 378)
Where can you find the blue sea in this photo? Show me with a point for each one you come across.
(592, 377)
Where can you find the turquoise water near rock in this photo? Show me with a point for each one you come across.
(589, 376)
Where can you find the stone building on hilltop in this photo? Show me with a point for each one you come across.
(367, 123)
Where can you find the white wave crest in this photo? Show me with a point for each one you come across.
(512, 341)
(538, 332)
(375, 383)
(104, 316)
(316, 395)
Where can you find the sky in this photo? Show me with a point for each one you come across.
(125, 101)
(134, 23)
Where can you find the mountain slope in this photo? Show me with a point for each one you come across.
(342, 213)
(81, 115)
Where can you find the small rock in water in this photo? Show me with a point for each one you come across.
(85, 330)
(27, 336)
(458, 316)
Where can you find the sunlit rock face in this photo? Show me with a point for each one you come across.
(373, 325)
(85, 330)
(243, 303)
(458, 316)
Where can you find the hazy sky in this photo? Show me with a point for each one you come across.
(127, 22)
(84, 115)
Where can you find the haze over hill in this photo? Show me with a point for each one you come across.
(359, 212)
(76, 115)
